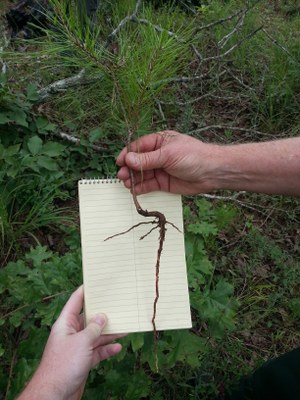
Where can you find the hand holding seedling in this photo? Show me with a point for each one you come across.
(178, 163)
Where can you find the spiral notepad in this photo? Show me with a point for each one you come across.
(119, 274)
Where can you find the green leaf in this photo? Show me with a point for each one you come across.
(53, 149)
(2, 351)
(12, 150)
(203, 228)
(35, 144)
(137, 341)
(32, 94)
(47, 163)
(4, 118)
(38, 255)
(95, 135)
(43, 125)
(19, 117)
(16, 319)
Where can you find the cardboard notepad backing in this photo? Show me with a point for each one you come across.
(119, 274)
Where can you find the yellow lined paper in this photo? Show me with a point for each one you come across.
(119, 274)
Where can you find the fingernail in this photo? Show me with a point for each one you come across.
(132, 159)
(101, 319)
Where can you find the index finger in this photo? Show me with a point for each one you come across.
(143, 144)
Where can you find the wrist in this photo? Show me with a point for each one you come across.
(42, 387)
(228, 168)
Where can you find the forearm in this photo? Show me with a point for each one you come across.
(269, 167)
(39, 388)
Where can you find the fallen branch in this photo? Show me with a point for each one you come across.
(124, 21)
(60, 85)
(222, 43)
(182, 79)
(219, 22)
(276, 43)
(236, 45)
(5, 44)
(75, 140)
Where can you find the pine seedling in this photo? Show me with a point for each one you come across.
(133, 65)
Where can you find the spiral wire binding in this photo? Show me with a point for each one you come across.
(93, 181)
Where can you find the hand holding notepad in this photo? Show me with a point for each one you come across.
(119, 274)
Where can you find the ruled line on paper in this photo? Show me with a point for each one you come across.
(119, 274)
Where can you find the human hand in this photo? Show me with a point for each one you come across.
(70, 353)
(171, 162)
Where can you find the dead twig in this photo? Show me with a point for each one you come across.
(219, 22)
(124, 21)
(235, 46)
(222, 43)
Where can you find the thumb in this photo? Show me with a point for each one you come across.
(95, 328)
(145, 161)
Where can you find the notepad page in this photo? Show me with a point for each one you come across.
(119, 274)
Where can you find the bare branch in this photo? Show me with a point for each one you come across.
(64, 84)
(222, 43)
(189, 78)
(238, 79)
(124, 21)
(209, 94)
(75, 140)
(236, 45)
(5, 43)
(276, 43)
(233, 199)
(196, 51)
(156, 27)
(220, 21)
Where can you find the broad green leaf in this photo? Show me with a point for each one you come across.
(35, 144)
(12, 150)
(4, 118)
(53, 149)
(137, 341)
(19, 117)
(95, 135)
(43, 125)
(32, 94)
(47, 163)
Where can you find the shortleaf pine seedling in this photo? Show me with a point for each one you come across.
(135, 73)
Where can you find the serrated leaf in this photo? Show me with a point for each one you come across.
(38, 255)
(35, 144)
(53, 149)
(202, 228)
(16, 319)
